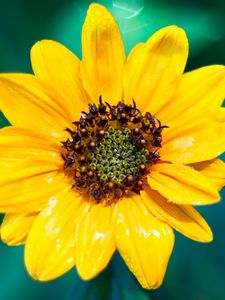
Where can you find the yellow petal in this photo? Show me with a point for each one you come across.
(193, 123)
(28, 185)
(199, 90)
(102, 55)
(59, 70)
(182, 184)
(195, 138)
(28, 168)
(21, 143)
(184, 218)
(25, 103)
(50, 245)
(15, 228)
(214, 170)
(45, 139)
(144, 242)
(153, 69)
(31, 169)
(94, 243)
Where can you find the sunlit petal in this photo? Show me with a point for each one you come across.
(102, 55)
(50, 246)
(94, 242)
(182, 184)
(59, 69)
(183, 218)
(153, 69)
(15, 228)
(144, 242)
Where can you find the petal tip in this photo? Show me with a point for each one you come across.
(178, 33)
(173, 30)
(98, 15)
(86, 274)
(172, 38)
(208, 235)
(209, 238)
(44, 42)
(96, 6)
(38, 274)
(96, 10)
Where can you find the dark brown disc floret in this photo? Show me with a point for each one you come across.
(111, 150)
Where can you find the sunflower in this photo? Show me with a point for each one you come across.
(109, 153)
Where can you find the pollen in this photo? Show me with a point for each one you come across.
(111, 150)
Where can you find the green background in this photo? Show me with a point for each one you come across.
(196, 271)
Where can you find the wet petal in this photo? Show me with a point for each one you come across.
(94, 244)
(153, 69)
(28, 185)
(15, 228)
(190, 123)
(182, 184)
(194, 139)
(24, 102)
(214, 170)
(102, 55)
(199, 90)
(50, 245)
(59, 69)
(144, 242)
(29, 158)
(184, 218)
(21, 143)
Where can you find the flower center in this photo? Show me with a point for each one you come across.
(118, 156)
(111, 150)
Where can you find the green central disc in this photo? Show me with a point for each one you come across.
(117, 156)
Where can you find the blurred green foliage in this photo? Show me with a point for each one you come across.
(196, 271)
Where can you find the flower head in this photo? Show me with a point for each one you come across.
(109, 153)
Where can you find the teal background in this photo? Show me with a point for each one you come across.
(196, 271)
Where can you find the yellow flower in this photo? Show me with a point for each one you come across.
(140, 153)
